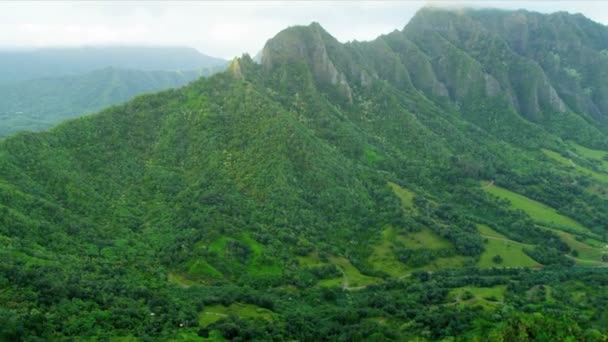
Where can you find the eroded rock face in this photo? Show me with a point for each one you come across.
(492, 87)
(307, 44)
(554, 100)
(455, 55)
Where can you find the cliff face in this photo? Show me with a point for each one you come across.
(539, 66)
(308, 45)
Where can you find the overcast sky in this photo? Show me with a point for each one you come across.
(223, 29)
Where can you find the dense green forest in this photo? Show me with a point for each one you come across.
(448, 181)
(39, 104)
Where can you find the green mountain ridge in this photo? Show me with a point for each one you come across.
(39, 104)
(435, 183)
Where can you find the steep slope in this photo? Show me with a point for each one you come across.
(526, 73)
(39, 104)
(306, 197)
(28, 64)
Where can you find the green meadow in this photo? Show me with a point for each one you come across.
(590, 251)
(539, 212)
(214, 313)
(487, 297)
(602, 177)
(510, 251)
(406, 196)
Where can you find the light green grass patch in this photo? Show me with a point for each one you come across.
(192, 336)
(406, 196)
(200, 268)
(180, 280)
(352, 276)
(487, 231)
(602, 177)
(455, 261)
(258, 264)
(383, 257)
(425, 238)
(372, 156)
(218, 246)
(587, 254)
(214, 313)
(587, 152)
(487, 297)
(511, 251)
(334, 282)
(598, 155)
(310, 260)
(539, 212)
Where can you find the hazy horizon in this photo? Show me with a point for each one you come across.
(222, 29)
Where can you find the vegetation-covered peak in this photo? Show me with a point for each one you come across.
(436, 183)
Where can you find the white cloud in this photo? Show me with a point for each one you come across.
(223, 29)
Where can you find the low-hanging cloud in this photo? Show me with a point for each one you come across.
(223, 29)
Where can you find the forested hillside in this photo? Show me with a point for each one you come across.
(39, 104)
(444, 181)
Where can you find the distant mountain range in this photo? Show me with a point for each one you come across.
(39, 104)
(40, 88)
(443, 182)
(19, 65)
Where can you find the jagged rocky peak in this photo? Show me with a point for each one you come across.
(469, 47)
(307, 44)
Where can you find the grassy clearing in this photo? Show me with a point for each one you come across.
(310, 260)
(383, 257)
(372, 156)
(426, 238)
(590, 251)
(510, 251)
(602, 177)
(539, 212)
(438, 264)
(258, 264)
(214, 313)
(313, 260)
(587, 152)
(334, 282)
(489, 232)
(406, 196)
(353, 278)
(487, 297)
(192, 336)
(200, 268)
(180, 280)
(351, 275)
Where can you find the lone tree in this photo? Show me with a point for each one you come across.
(497, 259)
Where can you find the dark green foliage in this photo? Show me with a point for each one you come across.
(272, 185)
(548, 256)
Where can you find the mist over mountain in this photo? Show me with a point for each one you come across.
(446, 181)
(27, 64)
(39, 104)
